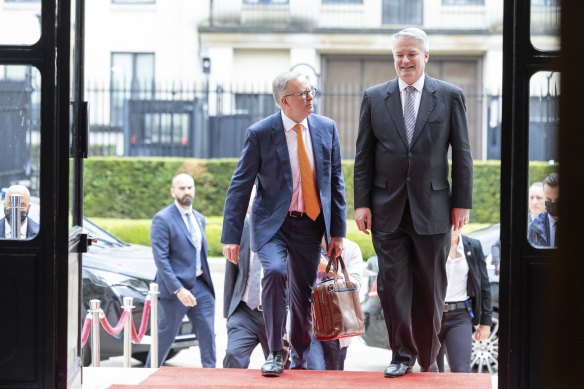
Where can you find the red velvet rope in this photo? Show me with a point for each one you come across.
(86, 329)
(137, 338)
(107, 326)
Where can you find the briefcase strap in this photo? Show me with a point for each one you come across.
(334, 263)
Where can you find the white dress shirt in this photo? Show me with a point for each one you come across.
(419, 85)
(457, 275)
(297, 203)
(197, 236)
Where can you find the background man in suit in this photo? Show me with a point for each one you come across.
(543, 230)
(295, 157)
(468, 303)
(403, 196)
(245, 321)
(536, 201)
(180, 252)
(28, 227)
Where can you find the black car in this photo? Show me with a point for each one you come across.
(485, 354)
(113, 269)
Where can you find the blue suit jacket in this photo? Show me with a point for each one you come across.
(174, 252)
(31, 230)
(265, 158)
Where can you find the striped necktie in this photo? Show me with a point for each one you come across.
(410, 112)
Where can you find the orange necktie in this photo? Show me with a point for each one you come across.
(311, 205)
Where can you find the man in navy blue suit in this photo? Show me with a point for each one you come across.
(180, 252)
(289, 215)
(28, 227)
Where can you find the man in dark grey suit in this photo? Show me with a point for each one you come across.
(180, 253)
(402, 194)
(245, 322)
(294, 155)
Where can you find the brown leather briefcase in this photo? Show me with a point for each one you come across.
(336, 310)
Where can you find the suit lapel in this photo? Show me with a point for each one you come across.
(178, 219)
(317, 145)
(395, 110)
(427, 104)
(279, 139)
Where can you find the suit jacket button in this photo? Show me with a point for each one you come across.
(408, 179)
(410, 155)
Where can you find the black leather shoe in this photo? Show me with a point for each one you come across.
(396, 370)
(432, 369)
(274, 365)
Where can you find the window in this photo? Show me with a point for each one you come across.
(342, 1)
(543, 185)
(463, 2)
(133, 1)
(20, 148)
(20, 22)
(265, 1)
(402, 12)
(132, 77)
(545, 24)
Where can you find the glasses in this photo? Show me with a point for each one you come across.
(304, 95)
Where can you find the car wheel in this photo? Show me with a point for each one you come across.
(86, 355)
(485, 354)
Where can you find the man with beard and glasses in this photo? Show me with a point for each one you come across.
(180, 253)
(28, 227)
(543, 230)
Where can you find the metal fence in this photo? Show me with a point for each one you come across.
(209, 121)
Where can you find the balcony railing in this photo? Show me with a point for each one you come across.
(315, 15)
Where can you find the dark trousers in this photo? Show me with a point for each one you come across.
(456, 339)
(290, 260)
(326, 355)
(245, 330)
(411, 284)
(202, 317)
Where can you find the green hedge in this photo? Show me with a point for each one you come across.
(136, 188)
(138, 231)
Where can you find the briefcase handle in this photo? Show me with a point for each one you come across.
(334, 263)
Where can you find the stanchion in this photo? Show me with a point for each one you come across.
(154, 324)
(94, 309)
(128, 331)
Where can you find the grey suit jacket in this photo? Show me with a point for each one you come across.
(174, 252)
(388, 171)
(236, 275)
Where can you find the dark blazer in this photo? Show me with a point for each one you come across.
(388, 171)
(478, 287)
(236, 275)
(265, 158)
(173, 250)
(32, 228)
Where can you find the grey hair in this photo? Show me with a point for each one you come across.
(537, 184)
(280, 84)
(414, 33)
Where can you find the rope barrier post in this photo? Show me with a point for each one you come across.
(15, 222)
(154, 324)
(128, 301)
(94, 309)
